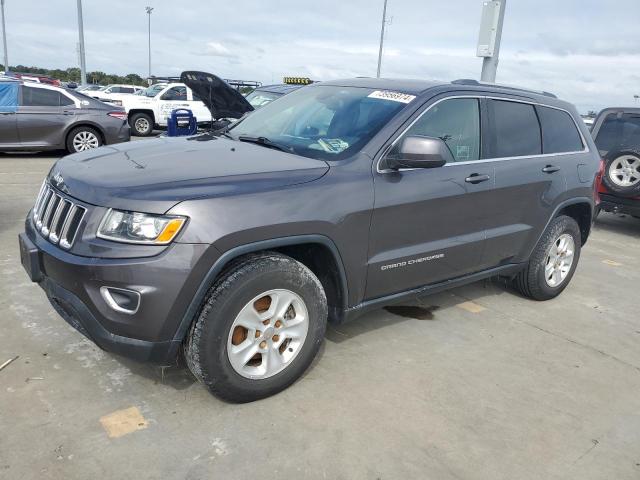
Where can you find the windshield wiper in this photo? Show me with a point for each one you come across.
(265, 142)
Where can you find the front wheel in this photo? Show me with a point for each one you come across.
(553, 261)
(259, 328)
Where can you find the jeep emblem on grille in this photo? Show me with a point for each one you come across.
(59, 181)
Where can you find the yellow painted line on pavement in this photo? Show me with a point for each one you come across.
(612, 263)
(471, 307)
(123, 422)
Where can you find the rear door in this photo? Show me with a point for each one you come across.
(43, 115)
(428, 225)
(532, 164)
(198, 107)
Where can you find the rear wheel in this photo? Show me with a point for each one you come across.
(81, 139)
(553, 261)
(141, 124)
(259, 328)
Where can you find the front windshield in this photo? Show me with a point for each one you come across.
(259, 99)
(102, 89)
(323, 121)
(153, 90)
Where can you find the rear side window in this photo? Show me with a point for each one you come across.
(456, 121)
(559, 131)
(126, 90)
(40, 97)
(617, 131)
(516, 130)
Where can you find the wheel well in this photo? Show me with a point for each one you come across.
(148, 112)
(321, 261)
(581, 213)
(90, 125)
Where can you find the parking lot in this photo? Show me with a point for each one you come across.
(476, 383)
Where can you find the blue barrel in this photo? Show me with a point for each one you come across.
(181, 122)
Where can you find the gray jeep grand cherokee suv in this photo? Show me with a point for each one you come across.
(236, 247)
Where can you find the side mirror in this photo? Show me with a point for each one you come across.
(419, 152)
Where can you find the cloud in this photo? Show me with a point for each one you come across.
(215, 49)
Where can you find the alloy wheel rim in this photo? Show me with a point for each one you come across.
(85, 141)
(142, 125)
(268, 334)
(559, 260)
(625, 171)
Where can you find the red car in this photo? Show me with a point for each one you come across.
(616, 132)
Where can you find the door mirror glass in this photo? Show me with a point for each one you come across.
(419, 152)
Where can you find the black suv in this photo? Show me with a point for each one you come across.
(237, 246)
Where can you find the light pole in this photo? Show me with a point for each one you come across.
(489, 38)
(384, 22)
(4, 38)
(83, 66)
(149, 10)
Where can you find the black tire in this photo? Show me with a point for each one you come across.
(608, 177)
(94, 139)
(531, 281)
(141, 124)
(205, 348)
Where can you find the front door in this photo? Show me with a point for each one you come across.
(42, 116)
(428, 225)
(173, 99)
(8, 107)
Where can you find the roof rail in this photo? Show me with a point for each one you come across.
(470, 81)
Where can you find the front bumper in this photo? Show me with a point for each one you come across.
(612, 203)
(166, 283)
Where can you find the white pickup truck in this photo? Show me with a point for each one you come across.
(153, 106)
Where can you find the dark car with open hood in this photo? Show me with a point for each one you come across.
(235, 248)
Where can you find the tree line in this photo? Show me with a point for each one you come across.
(73, 75)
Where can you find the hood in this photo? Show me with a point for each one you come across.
(153, 175)
(222, 100)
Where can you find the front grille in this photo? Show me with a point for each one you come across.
(57, 218)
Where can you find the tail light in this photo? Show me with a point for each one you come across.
(118, 115)
(598, 183)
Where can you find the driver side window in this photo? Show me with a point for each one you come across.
(175, 93)
(456, 121)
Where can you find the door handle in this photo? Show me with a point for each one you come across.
(68, 112)
(477, 178)
(551, 169)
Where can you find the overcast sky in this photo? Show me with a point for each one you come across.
(586, 51)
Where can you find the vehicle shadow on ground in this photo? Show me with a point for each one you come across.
(618, 223)
(51, 154)
(422, 308)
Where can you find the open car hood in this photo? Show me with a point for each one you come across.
(222, 100)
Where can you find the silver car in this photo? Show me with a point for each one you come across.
(36, 116)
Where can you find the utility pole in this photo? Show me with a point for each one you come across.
(149, 10)
(384, 23)
(490, 37)
(83, 66)
(4, 38)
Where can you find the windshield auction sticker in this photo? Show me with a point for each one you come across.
(393, 96)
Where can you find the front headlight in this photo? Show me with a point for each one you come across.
(135, 227)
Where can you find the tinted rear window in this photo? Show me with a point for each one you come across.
(516, 131)
(40, 97)
(559, 131)
(618, 131)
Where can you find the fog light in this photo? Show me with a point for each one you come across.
(121, 300)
